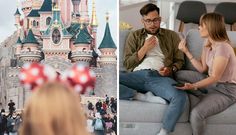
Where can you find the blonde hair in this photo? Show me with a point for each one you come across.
(53, 109)
(215, 26)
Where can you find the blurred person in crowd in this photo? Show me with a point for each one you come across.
(99, 125)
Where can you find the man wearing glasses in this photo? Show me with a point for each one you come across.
(152, 56)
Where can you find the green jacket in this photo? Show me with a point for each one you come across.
(168, 41)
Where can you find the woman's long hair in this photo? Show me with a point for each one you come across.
(215, 26)
(53, 109)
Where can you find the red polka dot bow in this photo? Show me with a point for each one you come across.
(80, 77)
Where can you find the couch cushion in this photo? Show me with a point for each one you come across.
(137, 111)
(232, 38)
(122, 38)
(195, 44)
(232, 35)
(220, 129)
(141, 128)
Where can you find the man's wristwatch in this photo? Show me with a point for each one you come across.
(174, 69)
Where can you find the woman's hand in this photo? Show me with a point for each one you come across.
(187, 86)
(182, 46)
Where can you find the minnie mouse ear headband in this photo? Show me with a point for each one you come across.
(80, 77)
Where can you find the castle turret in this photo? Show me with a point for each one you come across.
(107, 48)
(17, 17)
(45, 15)
(26, 8)
(108, 62)
(18, 47)
(65, 7)
(76, 4)
(17, 21)
(83, 10)
(94, 25)
(30, 51)
(34, 20)
(82, 51)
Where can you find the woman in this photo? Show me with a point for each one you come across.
(219, 60)
(53, 109)
(99, 124)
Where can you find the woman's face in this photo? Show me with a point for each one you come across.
(203, 31)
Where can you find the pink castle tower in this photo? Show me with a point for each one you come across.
(26, 8)
(76, 4)
(45, 15)
(76, 13)
(84, 11)
(17, 21)
(107, 48)
(65, 7)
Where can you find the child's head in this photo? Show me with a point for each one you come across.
(53, 109)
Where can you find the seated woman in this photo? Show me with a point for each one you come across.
(53, 109)
(219, 60)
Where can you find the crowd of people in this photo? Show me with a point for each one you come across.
(64, 111)
(10, 121)
(101, 116)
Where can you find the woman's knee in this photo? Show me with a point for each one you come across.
(196, 115)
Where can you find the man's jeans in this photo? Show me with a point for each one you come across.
(149, 80)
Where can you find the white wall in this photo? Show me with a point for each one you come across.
(130, 13)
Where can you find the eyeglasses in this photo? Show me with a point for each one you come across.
(155, 21)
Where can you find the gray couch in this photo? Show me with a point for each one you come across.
(144, 118)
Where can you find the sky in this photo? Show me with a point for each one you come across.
(8, 8)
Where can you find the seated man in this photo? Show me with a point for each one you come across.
(152, 56)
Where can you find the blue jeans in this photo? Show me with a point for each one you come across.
(148, 80)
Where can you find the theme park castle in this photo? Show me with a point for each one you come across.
(58, 33)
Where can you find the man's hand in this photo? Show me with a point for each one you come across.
(150, 43)
(165, 71)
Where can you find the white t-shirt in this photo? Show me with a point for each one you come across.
(154, 59)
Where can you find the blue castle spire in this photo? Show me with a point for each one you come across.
(107, 41)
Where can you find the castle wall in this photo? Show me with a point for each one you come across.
(43, 17)
(63, 45)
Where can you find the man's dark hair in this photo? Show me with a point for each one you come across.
(149, 8)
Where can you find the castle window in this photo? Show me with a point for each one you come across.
(34, 23)
(48, 20)
(37, 24)
(56, 36)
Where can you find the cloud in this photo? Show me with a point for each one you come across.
(7, 10)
